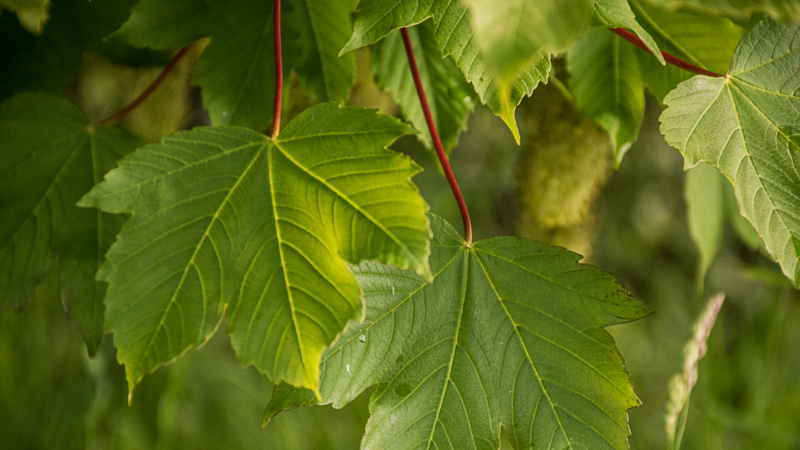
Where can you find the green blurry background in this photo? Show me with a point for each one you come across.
(559, 186)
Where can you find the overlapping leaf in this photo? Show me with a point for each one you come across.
(225, 218)
(513, 33)
(49, 158)
(606, 80)
(237, 70)
(618, 14)
(510, 333)
(164, 24)
(449, 95)
(705, 213)
(700, 39)
(50, 61)
(314, 33)
(747, 124)
(455, 37)
(32, 14)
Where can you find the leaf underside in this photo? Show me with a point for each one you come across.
(748, 126)
(510, 333)
(223, 217)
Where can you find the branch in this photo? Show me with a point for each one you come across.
(437, 143)
(149, 90)
(677, 62)
(276, 111)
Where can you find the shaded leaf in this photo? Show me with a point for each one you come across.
(455, 37)
(509, 333)
(449, 95)
(741, 226)
(32, 14)
(705, 201)
(237, 70)
(49, 157)
(705, 41)
(514, 33)
(231, 219)
(606, 81)
(50, 61)
(314, 33)
(618, 14)
(164, 24)
(746, 125)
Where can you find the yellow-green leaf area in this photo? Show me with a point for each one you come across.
(224, 219)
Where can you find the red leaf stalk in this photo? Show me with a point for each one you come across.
(276, 111)
(149, 90)
(437, 143)
(677, 62)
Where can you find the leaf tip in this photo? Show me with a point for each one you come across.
(508, 118)
(351, 45)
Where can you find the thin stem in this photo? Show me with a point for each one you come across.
(437, 143)
(677, 62)
(149, 90)
(276, 111)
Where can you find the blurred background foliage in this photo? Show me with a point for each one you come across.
(559, 186)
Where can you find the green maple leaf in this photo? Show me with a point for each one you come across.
(747, 125)
(700, 39)
(510, 333)
(49, 157)
(606, 80)
(449, 95)
(454, 35)
(224, 217)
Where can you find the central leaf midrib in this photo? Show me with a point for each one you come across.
(451, 362)
(56, 178)
(522, 344)
(292, 307)
(341, 195)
